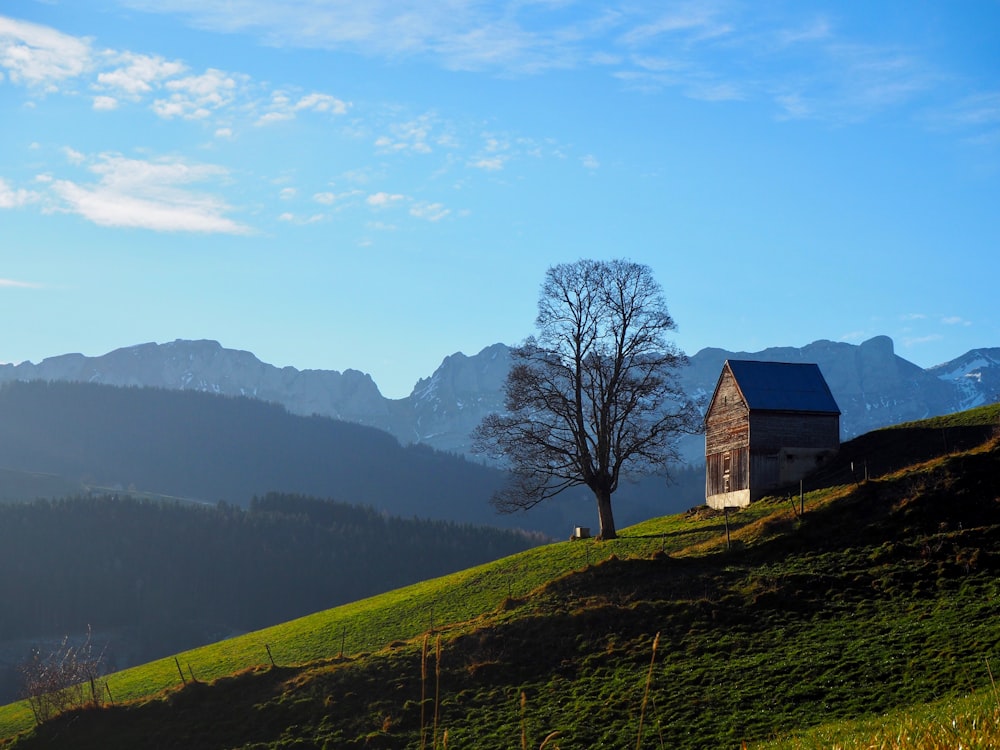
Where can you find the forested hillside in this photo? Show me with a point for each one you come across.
(211, 448)
(214, 448)
(153, 578)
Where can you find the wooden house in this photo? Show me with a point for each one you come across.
(768, 424)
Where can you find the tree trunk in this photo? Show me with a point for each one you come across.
(607, 518)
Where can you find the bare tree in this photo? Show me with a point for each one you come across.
(594, 395)
(61, 680)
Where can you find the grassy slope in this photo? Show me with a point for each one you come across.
(971, 721)
(884, 595)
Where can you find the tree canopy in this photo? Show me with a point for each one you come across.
(594, 395)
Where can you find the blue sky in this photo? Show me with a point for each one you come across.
(378, 185)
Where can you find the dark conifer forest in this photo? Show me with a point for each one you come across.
(166, 576)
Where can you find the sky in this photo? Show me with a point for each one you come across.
(377, 185)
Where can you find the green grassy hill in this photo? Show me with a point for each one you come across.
(882, 597)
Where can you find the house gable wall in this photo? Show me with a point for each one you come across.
(727, 442)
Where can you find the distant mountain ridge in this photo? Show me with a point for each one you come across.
(873, 386)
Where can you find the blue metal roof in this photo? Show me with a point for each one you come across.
(783, 386)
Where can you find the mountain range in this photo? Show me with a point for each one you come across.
(873, 386)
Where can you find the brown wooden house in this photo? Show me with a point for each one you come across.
(768, 424)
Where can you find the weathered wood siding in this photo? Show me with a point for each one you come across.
(726, 424)
(772, 431)
(727, 443)
(727, 478)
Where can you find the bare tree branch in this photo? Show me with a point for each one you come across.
(595, 393)
(56, 682)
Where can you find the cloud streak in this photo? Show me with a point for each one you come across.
(461, 34)
(14, 284)
(152, 195)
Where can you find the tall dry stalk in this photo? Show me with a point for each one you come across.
(423, 693)
(992, 682)
(524, 721)
(645, 697)
(437, 690)
(545, 742)
(524, 727)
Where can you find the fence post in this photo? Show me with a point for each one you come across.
(179, 670)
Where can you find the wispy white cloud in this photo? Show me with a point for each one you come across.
(854, 336)
(14, 284)
(955, 320)
(808, 67)
(709, 50)
(498, 149)
(813, 30)
(911, 341)
(196, 97)
(134, 75)
(39, 55)
(728, 91)
(383, 199)
(15, 197)
(149, 194)
(430, 211)
(979, 109)
(105, 103)
(694, 22)
(340, 200)
(316, 102)
(461, 34)
(416, 135)
(43, 57)
(489, 163)
(73, 156)
(290, 218)
(283, 107)
(975, 116)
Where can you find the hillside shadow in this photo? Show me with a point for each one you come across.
(876, 454)
(958, 496)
